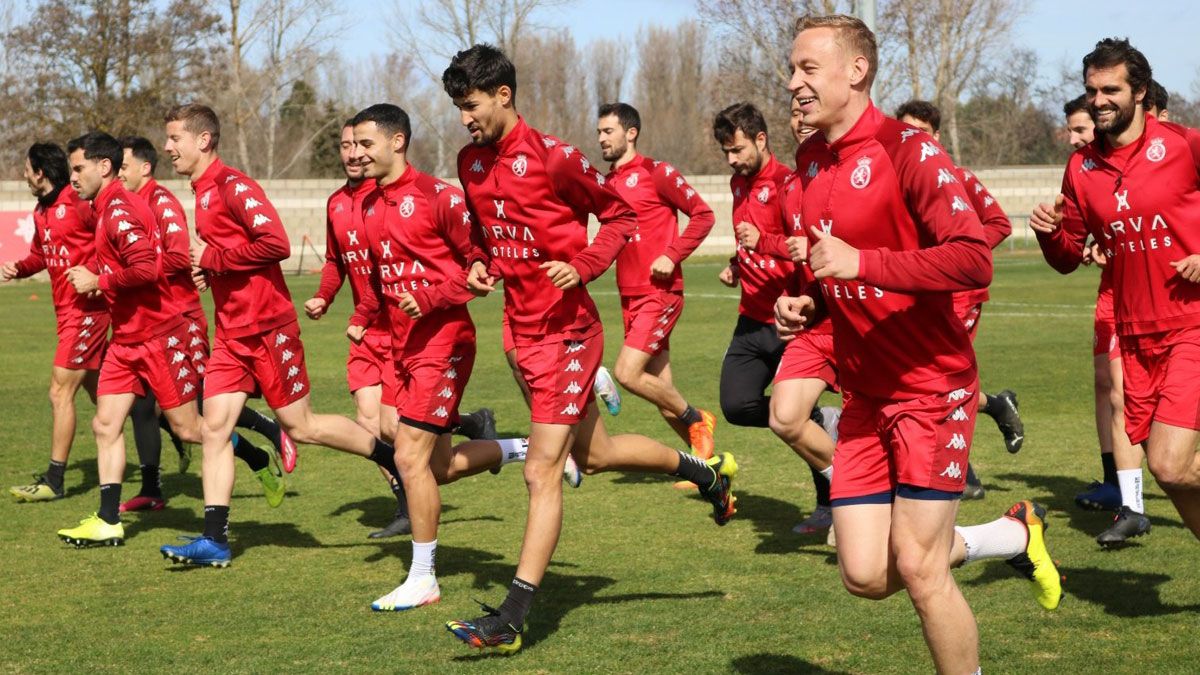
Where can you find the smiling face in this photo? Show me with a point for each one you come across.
(1111, 100)
(134, 172)
(1080, 128)
(184, 147)
(374, 150)
(823, 76)
(486, 115)
(350, 163)
(800, 130)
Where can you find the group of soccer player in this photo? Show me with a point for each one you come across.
(862, 270)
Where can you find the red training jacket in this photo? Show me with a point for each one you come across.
(996, 225)
(64, 235)
(176, 244)
(347, 251)
(763, 277)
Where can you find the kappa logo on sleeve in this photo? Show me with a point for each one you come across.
(162, 199)
(240, 188)
(260, 219)
(455, 200)
(583, 161)
(907, 134)
(252, 203)
(928, 149)
(944, 177)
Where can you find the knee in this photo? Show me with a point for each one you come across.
(739, 411)
(541, 475)
(60, 394)
(869, 584)
(1103, 380)
(302, 431)
(1170, 472)
(627, 374)
(1116, 398)
(922, 576)
(106, 430)
(784, 424)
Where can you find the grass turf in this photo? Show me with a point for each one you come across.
(642, 581)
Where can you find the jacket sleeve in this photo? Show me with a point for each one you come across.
(333, 272)
(996, 225)
(173, 231)
(1063, 248)
(578, 184)
(674, 190)
(34, 262)
(454, 222)
(135, 248)
(248, 205)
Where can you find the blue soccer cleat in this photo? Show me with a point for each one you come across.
(1099, 497)
(202, 551)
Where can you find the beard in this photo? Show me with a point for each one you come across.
(752, 167)
(613, 153)
(1119, 122)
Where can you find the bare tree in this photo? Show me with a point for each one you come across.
(609, 63)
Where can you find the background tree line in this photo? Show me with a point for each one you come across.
(275, 71)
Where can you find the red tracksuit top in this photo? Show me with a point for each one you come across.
(763, 277)
(64, 235)
(1142, 203)
(246, 242)
(896, 336)
(347, 251)
(176, 244)
(419, 232)
(128, 261)
(791, 219)
(657, 193)
(530, 195)
(996, 225)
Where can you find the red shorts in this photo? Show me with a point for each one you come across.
(922, 443)
(198, 347)
(429, 388)
(160, 364)
(370, 363)
(1105, 333)
(270, 363)
(968, 313)
(808, 357)
(81, 342)
(649, 320)
(506, 336)
(1162, 381)
(559, 370)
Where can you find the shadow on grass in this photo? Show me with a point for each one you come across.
(559, 592)
(764, 664)
(1058, 494)
(773, 520)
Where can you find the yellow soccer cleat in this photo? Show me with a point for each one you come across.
(1035, 563)
(39, 491)
(94, 531)
(272, 485)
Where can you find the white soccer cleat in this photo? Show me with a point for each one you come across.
(605, 389)
(571, 474)
(411, 594)
(830, 416)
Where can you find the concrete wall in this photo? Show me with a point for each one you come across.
(301, 205)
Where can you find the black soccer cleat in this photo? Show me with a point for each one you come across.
(487, 632)
(720, 493)
(400, 525)
(1008, 419)
(478, 426)
(972, 491)
(1126, 525)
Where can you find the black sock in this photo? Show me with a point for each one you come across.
(54, 475)
(259, 423)
(146, 435)
(821, 483)
(516, 606)
(151, 485)
(690, 416)
(255, 458)
(216, 523)
(401, 498)
(1110, 468)
(694, 469)
(972, 479)
(175, 440)
(990, 404)
(110, 503)
(385, 455)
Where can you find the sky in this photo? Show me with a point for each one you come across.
(1059, 31)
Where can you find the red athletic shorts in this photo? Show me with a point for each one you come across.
(968, 313)
(197, 344)
(160, 364)
(506, 336)
(809, 356)
(559, 370)
(81, 342)
(270, 363)
(370, 363)
(1162, 381)
(1105, 340)
(921, 443)
(430, 386)
(649, 320)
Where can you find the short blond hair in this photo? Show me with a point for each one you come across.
(197, 119)
(853, 34)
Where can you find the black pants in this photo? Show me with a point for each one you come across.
(750, 364)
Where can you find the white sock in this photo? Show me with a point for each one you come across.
(513, 450)
(1130, 481)
(422, 560)
(1001, 538)
(828, 472)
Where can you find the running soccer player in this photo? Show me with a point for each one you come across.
(1002, 406)
(137, 174)
(530, 194)
(1135, 189)
(890, 246)
(149, 339)
(64, 236)
(806, 368)
(649, 272)
(257, 347)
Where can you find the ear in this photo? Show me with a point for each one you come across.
(631, 135)
(760, 140)
(204, 141)
(399, 142)
(504, 95)
(1139, 97)
(859, 67)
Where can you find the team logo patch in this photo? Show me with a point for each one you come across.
(204, 200)
(861, 176)
(61, 211)
(630, 182)
(764, 194)
(1157, 151)
(339, 207)
(407, 206)
(520, 165)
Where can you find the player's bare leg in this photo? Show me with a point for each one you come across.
(1171, 452)
(368, 408)
(544, 460)
(649, 377)
(331, 431)
(792, 403)
(220, 417)
(511, 357)
(64, 385)
(388, 420)
(864, 551)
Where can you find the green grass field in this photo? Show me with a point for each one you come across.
(643, 581)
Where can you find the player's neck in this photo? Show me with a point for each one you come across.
(510, 123)
(1131, 133)
(353, 183)
(629, 156)
(104, 185)
(399, 168)
(847, 117)
(206, 160)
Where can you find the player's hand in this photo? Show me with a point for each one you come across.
(1188, 268)
(662, 268)
(315, 308)
(747, 235)
(562, 274)
(83, 280)
(8, 271)
(197, 251)
(793, 315)
(200, 278)
(1047, 217)
(479, 281)
(832, 257)
(408, 305)
(355, 333)
(1098, 255)
(728, 277)
(797, 248)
